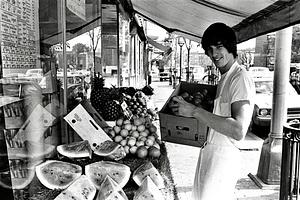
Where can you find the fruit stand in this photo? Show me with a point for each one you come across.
(117, 153)
(39, 191)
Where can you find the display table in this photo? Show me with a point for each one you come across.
(37, 191)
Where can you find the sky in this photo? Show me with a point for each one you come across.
(157, 33)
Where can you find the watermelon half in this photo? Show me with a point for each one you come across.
(97, 172)
(55, 174)
(79, 149)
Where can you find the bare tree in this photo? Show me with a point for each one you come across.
(95, 35)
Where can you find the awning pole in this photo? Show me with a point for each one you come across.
(64, 62)
(270, 159)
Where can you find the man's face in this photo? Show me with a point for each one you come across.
(220, 55)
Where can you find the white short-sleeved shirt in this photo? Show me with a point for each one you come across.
(238, 86)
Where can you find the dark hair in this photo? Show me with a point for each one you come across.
(220, 33)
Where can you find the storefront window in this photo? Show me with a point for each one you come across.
(32, 81)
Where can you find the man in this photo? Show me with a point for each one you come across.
(219, 161)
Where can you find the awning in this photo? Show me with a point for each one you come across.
(158, 45)
(249, 18)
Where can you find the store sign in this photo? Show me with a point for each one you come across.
(77, 7)
(19, 33)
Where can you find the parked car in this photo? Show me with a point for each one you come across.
(263, 104)
(260, 72)
(164, 76)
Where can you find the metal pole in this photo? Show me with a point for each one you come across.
(270, 161)
(64, 62)
(180, 57)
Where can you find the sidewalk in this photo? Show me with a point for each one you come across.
(183, 160)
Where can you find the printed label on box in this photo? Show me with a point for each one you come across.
(85, 126)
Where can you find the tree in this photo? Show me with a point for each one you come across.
(77, 49)
(295, 58)
(95, 35)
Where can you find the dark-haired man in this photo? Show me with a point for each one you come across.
(219, 161)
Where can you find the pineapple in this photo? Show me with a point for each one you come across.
(107, 101)
(99, 93)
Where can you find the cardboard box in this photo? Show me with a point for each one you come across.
(86, 127)
(94, 114)
(184, 130)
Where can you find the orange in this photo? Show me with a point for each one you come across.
(153, 129)
(117, 129)
(119, 122)
(144, 134)
(149, 142)
(118, 138)
(135, 134)
(128, 127)
(124, 132)
(140, 143)
(126, 121)
(142, 152)
(154, 152)
(131, 141)
(126, 149)
(133, 149)
(123, 142)
(151, 137)
(137, 122)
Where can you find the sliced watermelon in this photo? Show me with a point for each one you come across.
(147, 169)
(81, 189)
(99, 170)
(79, 149)
(8, 181)
(106, 148)
(55, 174)
(110, 190)
(148, 191)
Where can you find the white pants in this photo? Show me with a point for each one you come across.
(217, 172)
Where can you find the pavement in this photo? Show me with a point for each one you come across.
(183, 160)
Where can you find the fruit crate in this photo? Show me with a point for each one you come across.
(184, 130)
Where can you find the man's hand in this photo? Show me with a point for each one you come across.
(180, 107)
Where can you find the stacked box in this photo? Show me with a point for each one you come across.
(184, 130)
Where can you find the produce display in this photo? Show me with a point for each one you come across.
(55, 174)
(79, 149)
(110, 190)
(99, 170)
(137, 105)
(199, 99)
(81, 188)
(148, 170)
(113, 103)
(138, 137)
(107, 101)
(148, 191)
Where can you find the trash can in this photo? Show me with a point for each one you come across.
(290, 163)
